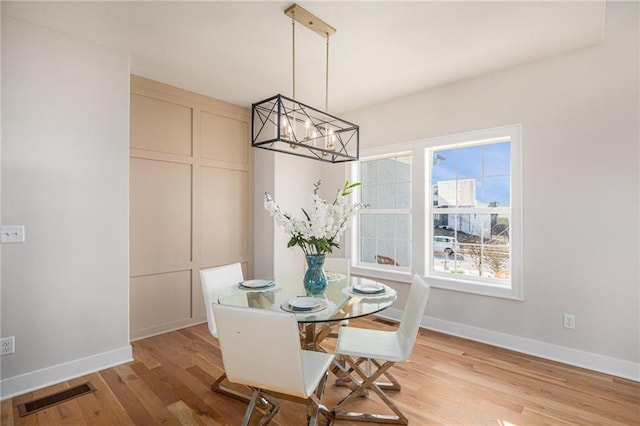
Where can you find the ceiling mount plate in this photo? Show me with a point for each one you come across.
(309, 20)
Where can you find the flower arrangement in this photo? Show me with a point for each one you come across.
(319, 231)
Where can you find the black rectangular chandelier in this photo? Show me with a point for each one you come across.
(285, 125)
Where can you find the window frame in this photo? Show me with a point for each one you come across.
(371, 211)
(421, 219)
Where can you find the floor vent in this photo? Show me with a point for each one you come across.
(385, 321)
(56, 398)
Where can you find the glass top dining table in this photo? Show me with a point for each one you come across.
(342, 302)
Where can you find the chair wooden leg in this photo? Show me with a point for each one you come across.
(369, 382)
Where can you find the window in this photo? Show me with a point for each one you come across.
(385, 225)
(470, 211)
(446, 208)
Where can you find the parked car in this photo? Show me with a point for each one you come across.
(446, 245)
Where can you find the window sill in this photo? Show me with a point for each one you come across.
(382, 274)
(474, 287)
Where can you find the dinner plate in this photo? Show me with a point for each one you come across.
(256, 284)
(368, 288)
(334, 276)
(308, 307)
(305, 303)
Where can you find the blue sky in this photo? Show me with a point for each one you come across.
(489, 165)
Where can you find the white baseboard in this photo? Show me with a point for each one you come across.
(589, 360)
(39, 379)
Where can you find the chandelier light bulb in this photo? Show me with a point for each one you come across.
(331, 141)
(285, 129)
(307, 129)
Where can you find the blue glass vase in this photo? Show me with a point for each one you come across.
(315, 280)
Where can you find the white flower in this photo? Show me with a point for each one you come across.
(322, 226)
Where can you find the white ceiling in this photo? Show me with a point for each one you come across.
(241, 51)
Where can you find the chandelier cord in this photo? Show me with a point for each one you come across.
(326, 82)
(293, 43)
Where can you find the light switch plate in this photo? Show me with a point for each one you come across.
(12, 234)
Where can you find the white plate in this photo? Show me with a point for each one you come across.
(256, 283)
(334, 276)
(369, 288)
(302, 303)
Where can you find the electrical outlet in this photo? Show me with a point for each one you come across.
(569, 321)
(12, 234)
(7, 345)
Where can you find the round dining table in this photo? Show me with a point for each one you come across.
(341, 301)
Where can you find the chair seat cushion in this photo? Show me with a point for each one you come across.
(376, 344)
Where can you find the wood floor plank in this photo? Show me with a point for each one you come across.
(31, 420)
(51, 416)
(192, 390)
(188, 393)
(187, 416)
(446, 381)
(110, 409)
(6, 412)
(163, 389)
(142, 355)
(147, 396)
(134, 408)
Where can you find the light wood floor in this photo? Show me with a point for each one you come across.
(447, 380)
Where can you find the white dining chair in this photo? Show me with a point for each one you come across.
(215, 282)
(359, 346)
(261, 349)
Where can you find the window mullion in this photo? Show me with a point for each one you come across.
(385, 211)
(419, 174)
(472, 210)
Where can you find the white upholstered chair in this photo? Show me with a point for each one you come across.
(215, 282)
(261, 349)
(381, 348)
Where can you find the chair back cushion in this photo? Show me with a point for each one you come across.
(216, 281)
(412, 315)
(261, 348)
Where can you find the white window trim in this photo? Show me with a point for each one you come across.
(384, 271)
(399, 274)
(421, 195)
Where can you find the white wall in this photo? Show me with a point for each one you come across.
(264, 230)
(65, 140)
(581, 201)
(289, 179)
